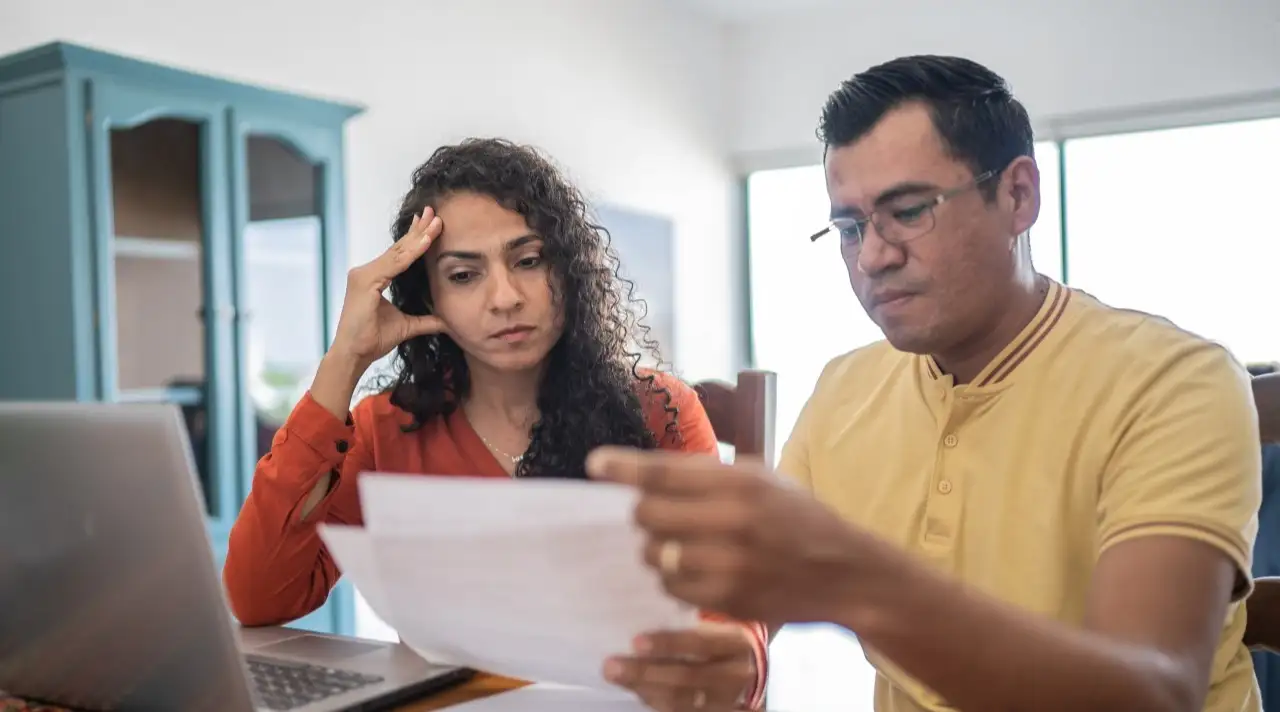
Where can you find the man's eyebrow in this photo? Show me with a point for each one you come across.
(845, 211)
(904, 189)
(900, 190)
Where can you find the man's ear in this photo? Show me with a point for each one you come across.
(1022, 191)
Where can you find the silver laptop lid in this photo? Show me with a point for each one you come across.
(109, 594)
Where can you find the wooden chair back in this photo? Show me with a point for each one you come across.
(1262, 627)
(743, 415)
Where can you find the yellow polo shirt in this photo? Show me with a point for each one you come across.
(1094, 426)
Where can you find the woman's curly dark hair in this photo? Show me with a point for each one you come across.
(592, 390)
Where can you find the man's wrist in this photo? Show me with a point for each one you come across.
(866, 590)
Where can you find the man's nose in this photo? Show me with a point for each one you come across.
(876, 255)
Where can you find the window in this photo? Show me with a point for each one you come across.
(803, 313)
(1180, 223)
(1046, 234)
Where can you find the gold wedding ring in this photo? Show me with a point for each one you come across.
(699, 699)
(669, 557)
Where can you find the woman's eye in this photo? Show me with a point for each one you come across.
(530, 262)
(461, 277)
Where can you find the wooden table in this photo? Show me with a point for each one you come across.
(477, 688)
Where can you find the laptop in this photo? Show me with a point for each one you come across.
(109, 595)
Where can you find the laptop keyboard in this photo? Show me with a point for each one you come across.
(283, 685)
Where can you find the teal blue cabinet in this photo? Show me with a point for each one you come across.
(170, 236)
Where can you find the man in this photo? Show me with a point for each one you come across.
(1022, 499)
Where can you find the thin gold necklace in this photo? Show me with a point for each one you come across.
(515, 459)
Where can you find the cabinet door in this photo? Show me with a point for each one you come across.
(290, 267)
(158, 173)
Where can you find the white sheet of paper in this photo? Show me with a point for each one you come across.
(537, 580)
(481, 505)
(353, 549)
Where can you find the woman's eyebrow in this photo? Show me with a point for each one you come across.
(512, 244)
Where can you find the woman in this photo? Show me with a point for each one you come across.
(513, 336)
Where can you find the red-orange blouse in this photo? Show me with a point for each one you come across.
(277, 569)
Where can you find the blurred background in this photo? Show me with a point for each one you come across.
(236, 206)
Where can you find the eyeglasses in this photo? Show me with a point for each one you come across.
(897, 223)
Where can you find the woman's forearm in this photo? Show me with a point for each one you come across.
(333, 388)
(335, 382)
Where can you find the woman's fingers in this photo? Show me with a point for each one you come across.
(423, 325)
(370, 325)
(410, 248)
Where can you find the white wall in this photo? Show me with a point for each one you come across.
(626, 94)
(1062, 58)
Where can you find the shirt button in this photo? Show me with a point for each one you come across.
(342, 446)
(944, 487)
(950, 441)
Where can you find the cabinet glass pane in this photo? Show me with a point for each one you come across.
(158, 210)
(282, 290)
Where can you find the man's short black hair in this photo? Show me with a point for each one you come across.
(972, 107)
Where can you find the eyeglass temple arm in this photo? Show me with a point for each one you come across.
(939, 200)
